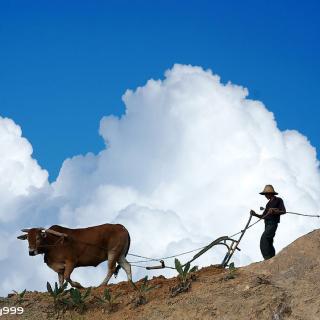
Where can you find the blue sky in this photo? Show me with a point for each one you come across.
(65, 64)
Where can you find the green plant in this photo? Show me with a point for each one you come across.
(109, 298)
(232, 271)
(141, 291)
(185, 277)
(20, 295)
(78, 299)
(184, 271)
(58, 293)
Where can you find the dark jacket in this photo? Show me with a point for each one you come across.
(276, 203)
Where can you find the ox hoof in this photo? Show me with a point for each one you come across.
(77, 285)
(102, 284)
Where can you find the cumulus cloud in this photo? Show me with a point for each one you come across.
(20, 173)
(181, 167)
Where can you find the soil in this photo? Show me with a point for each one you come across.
(284, 287)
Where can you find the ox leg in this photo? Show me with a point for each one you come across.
(61, 278)
(67, 272)
(111, 270)
(126, 266)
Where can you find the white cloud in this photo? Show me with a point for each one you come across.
(20, 174)
(181, 167)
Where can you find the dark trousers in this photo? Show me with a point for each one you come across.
(266, 241)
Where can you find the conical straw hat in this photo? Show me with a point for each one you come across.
(268, 189)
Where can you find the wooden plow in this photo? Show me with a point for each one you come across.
(231, 244)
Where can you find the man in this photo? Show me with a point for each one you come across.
(271, 215)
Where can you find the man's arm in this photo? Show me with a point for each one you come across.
(282, 208)
(260, 216)
(279, 208)
(253, 213)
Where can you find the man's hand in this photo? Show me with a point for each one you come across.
(270, 211)
(253, 213)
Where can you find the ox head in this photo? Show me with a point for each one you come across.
(37, 238)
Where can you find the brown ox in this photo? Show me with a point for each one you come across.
(65, 249)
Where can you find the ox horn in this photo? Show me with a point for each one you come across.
(23, 237)
(25, 230)
(56, 233)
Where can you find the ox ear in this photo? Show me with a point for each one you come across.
(25, 230)
(23, 237)
(56, 233)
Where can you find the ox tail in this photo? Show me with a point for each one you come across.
(118, 267)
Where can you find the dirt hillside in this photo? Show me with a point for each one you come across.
(285, 287)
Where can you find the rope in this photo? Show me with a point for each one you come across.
(147, 259)
(142, 267)
(296, 213)
(304, 215)
(251, 225)
(164, 258)
(181, 254)
(135, 265)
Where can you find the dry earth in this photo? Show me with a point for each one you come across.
(285, 287)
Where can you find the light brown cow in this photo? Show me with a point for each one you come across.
(65, 249)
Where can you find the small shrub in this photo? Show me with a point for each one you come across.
(20, 296)
(184, 272)
(185, 277)
(58, 293)
(109, 299)
(78, 299)
(141, 297)
(232, 272)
